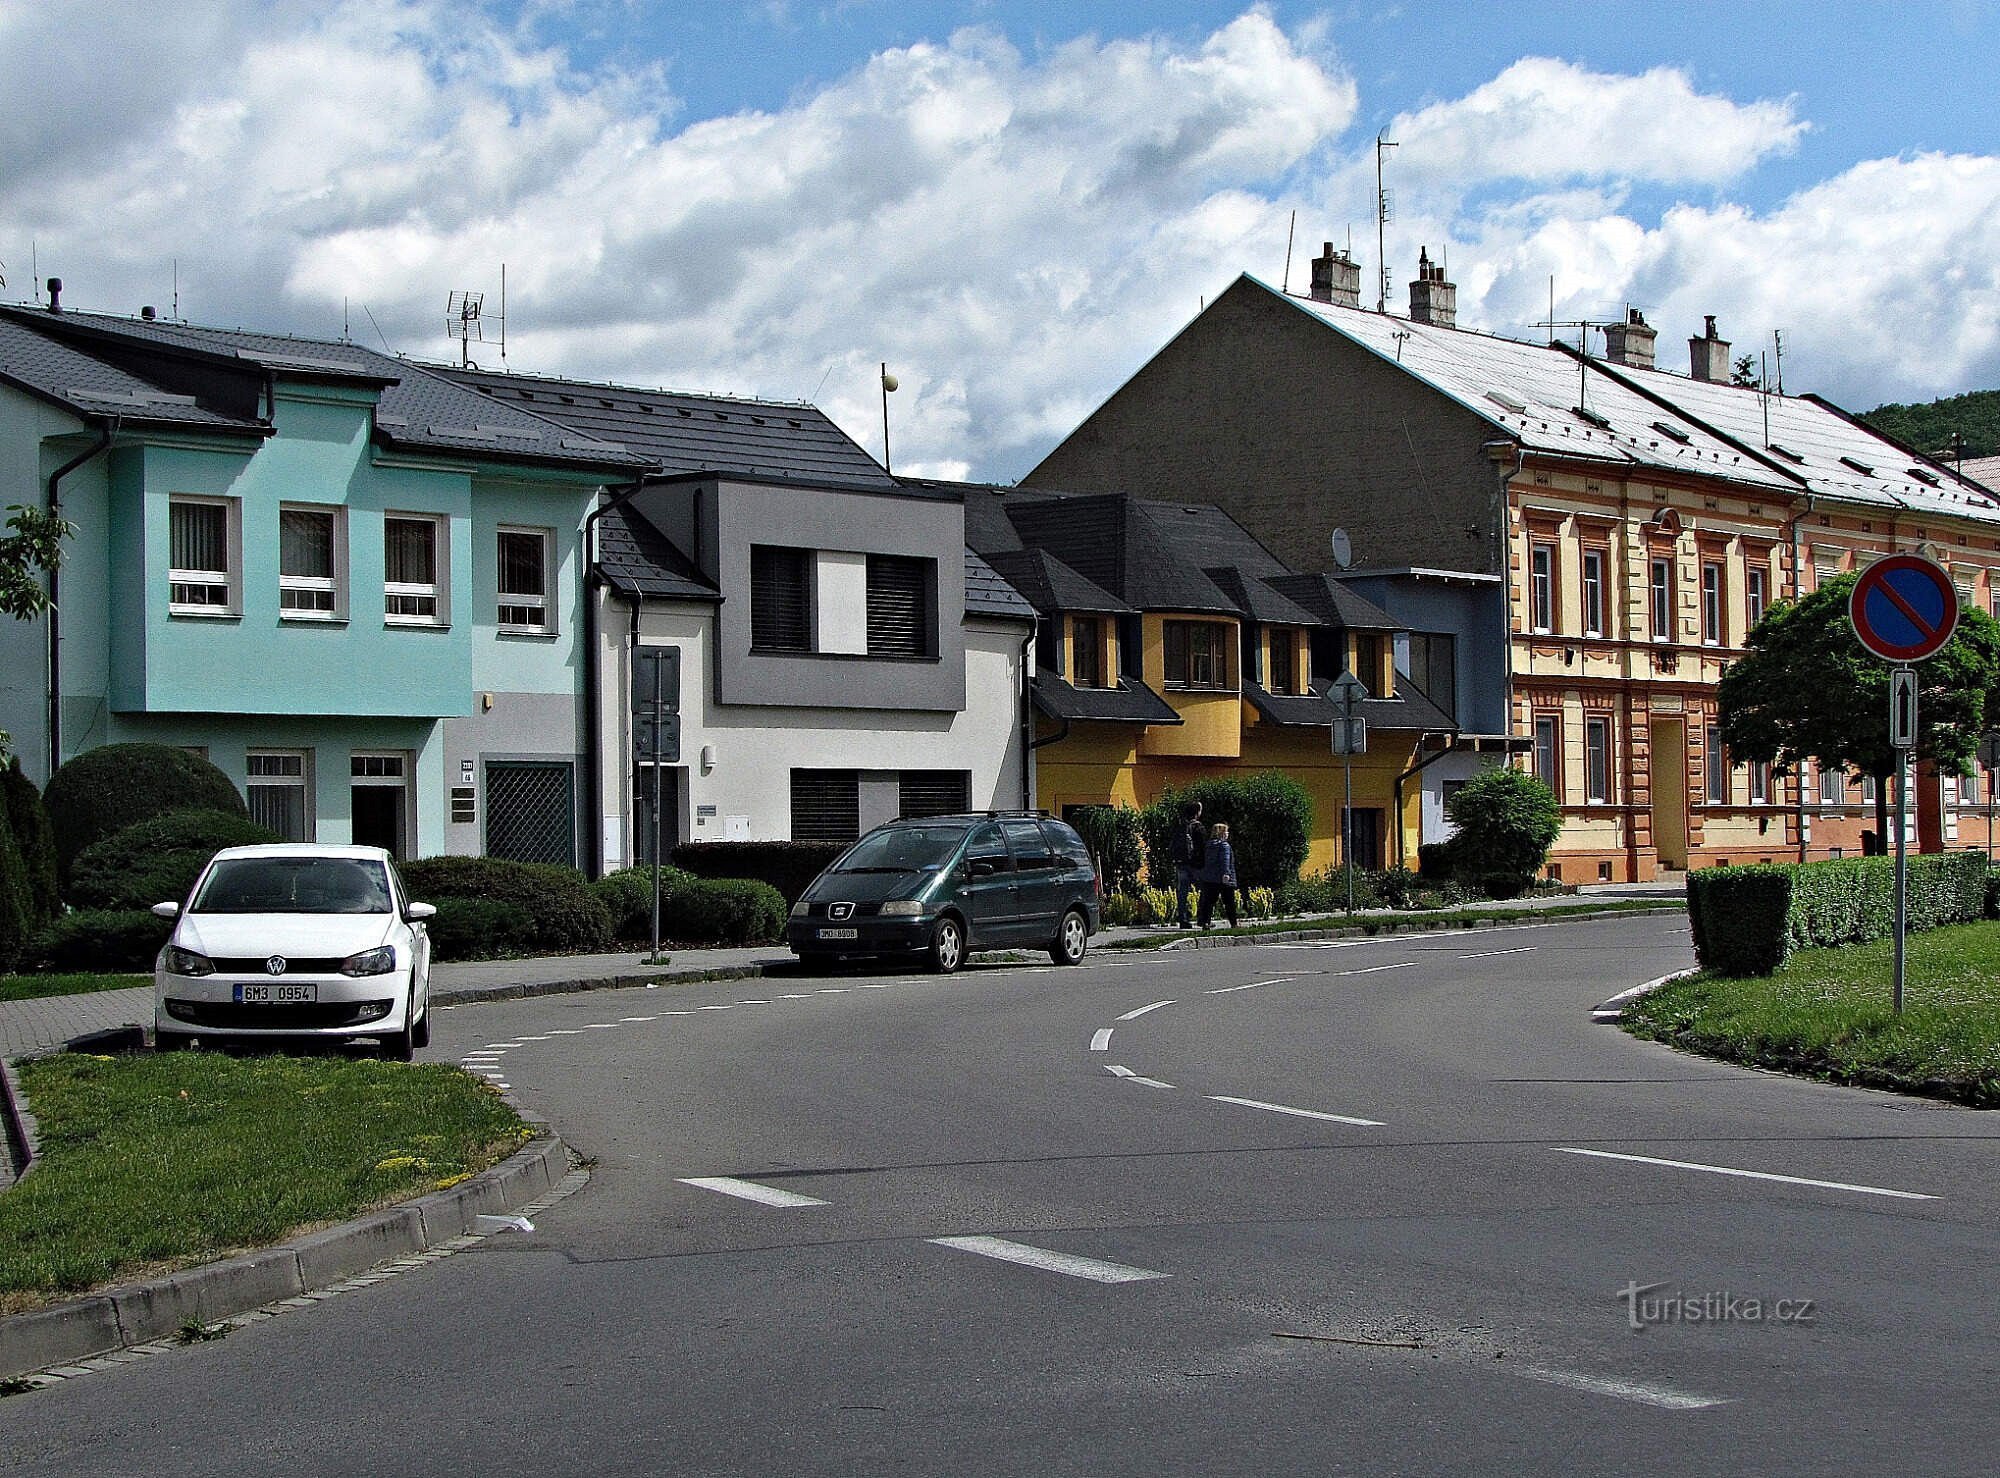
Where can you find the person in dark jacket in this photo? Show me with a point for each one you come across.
(1218, 876)
(1190, 847)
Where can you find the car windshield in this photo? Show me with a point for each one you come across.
(903, 849)
(294, 885)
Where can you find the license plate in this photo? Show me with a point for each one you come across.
(277, 993)
(839, 934)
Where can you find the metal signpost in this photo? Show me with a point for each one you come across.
(1350, 737)
(1904, 608)
(656, 740)
(1989, 761)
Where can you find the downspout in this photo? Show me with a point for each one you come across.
(593, 722)
(1799, 816)
(1502, 562)
(1027, 725)
(104, 437)
(1396, 790)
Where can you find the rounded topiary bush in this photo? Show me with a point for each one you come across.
(627, 895)
(723, 911)
(105, 790)
(34, 839)
(552, 909)
(157, 861)
(1507, 820)
(122, 940)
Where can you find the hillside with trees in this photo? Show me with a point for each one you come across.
(1929, 427)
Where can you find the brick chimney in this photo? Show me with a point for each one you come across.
(1336, 278)
(1432, 299)
(1708, 356)
(1631, 342)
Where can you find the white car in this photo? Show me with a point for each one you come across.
(296, 941)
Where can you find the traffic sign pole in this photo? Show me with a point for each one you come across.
(1903, 734)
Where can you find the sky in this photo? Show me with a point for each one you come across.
(1014, 203)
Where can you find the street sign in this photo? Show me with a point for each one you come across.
(1350, 736)
(1903, 707)
(1347, 691)
(656, 705)
(1904, 608)
(1989, 752)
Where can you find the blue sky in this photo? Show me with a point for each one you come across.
(1014, 203)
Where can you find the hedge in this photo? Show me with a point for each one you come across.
(117, 941)
(627, 896)
(16, 897)
(537, 908)
(107, 789)
(1748, 920)
(157, 861)
(35, 839)
(1113, 834)
(723, 911)
(789, 867)
(1270, 826)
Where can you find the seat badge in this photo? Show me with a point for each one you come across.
(275, 965)
(840, 910)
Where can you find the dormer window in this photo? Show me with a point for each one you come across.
(1787, 453)
(1284, 663)
(1858, 465)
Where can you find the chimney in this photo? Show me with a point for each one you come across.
(55, 295)
(1432, 299)
(1708, 356)
(1336, 278)
(1631, 342)
(147, 313)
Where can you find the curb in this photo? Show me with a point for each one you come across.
(23, 1134)
(1388, 925)
(1613, 1011)
(139, 1313)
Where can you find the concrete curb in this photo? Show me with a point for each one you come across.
(23, 1134)
(465, 995)
(1613, 1011)
(142, 1312)
(1386, 926)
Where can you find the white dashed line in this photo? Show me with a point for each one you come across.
(1049, 1262)
(1371, 970)
(1135, 1015)
(1253, 985)
(1127, 1075)
(600, 1026)
(1596, 1385)
(753, 1003)
(794, 996)
(563, 1031)
(1487, 954)
(534, 1039)
(1825, 1185)
(749, 1190)
(1100, 1041)
(831, 990)
(1279, 1108)
(719, 1008)
(622, 1018)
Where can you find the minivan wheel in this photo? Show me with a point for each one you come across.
(947, 946)
(1072, 939)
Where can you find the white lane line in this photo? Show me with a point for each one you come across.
(1825, 1185)
(794, 996)
(1253, 985)
(749, 1190)
(599, 1026)
(1135, 1015)
(501, 1046)
(564, 1031)
(881, 984)
(1049, 1262)
(483, 1052)
(1487, 954)
(1371, 970)
(1279, 1108)
(1645, 1395)
(1100, 1040)
(534, 1039)
(753, 1003)
(1129, 1076)
(831, 990)
(622, 1018)
(677, 1013)
(730, 1007)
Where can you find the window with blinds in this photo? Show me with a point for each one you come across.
(198, 574)
(307, 588)
(524, 580)
(280, 799)
(826, 805)
(780, 599)
(410, 571)
(922, 793)
(899, 606)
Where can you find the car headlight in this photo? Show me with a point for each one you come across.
(902, 908)
(801, 909)
(370, 962)
(177, 961)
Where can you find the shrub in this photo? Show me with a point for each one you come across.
(627, 896)
(1270, 826)
(1434, 860)
(107, 789)
(16, 898)
(36, 841)
(1506, 821)
(480, 929)
(554, 909)
(1112, 833)
(117, 941)
(156, 861)
(723, 911)
(789, 867)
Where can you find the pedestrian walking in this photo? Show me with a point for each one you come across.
(1189, 850)
(1218, 876)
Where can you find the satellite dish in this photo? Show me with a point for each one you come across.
(1343, 550)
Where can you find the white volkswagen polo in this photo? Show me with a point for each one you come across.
(297, 941)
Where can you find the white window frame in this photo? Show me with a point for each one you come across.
(437, 591)
(302, 782)
(229, 579)
(1594, 604)
(1660, 597)
(1546, 762)
(1594, 793)
(334, 586)
(1711, 602)
(545, 602)
(1760, 783)
(1756, 594)
(1541, 586)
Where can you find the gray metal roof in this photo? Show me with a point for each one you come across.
(638, 559)
(1983, 470)
(1050, 586)
(1333, 604)
(987, 593)
(1131, 702)
(56, 371)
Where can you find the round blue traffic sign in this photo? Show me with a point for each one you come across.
(1904, 608)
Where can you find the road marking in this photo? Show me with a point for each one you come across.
(1825, 1185)
(794, 996)
(1253, 985)
(1049, 1262)
(599, 1026)
(1645, 1395)
(563, 1031)
(502, 1046)
(1487, 954)
(483, 1052)
(753, 1003)
(1371, 970)
(749, 1190)
(1279, 1108)
(719, 1008)
(544, 1039)
(1131, 1077)
(1135, 1015)
(831, 990)
(622, 1018)
(880, 984)
(1101, 1040)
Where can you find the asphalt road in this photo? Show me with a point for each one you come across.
(1364, 1207)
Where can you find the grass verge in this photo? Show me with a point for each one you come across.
(1388, 923)
(151, 1163)
(1827, 1014)
(32, 987)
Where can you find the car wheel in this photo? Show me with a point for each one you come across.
(401, 1046)
(1072, 939)
(947, 946)
(420, 1034)
(172, 1041)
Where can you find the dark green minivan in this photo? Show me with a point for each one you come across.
(946, 885)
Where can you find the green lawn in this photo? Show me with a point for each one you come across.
(152, 1162)
(1827, 1014)
(29, 987)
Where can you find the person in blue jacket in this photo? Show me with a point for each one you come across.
(1218, 876)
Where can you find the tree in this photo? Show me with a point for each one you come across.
(32, 550)
(1744, 372)
(1808, 690)
(1507, 820)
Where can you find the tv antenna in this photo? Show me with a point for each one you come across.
(465, 320)
(1385, 211)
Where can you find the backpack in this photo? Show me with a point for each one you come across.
(1196, 839)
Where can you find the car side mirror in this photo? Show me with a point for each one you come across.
(983, 867)
(416, 913)
(167, 910)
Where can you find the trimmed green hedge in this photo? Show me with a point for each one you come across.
(789, 867)
(723, 911)
(627, 895)
(36, 840)
(16, 897)
(157, 861)
(528, 908)
(107, 789)
(117, 941)
(1748, 920)
(1270, 826)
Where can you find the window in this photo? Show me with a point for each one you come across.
(522, 582)
(1593, 592)
(1868, 789)
(780, 599)
(379, 801)
(279, 795)
(1368, 663)
(1197, 654)
(308, 564)
(1663, 598)
(1968, 787)
(531, 811)
(1760, 782)
(1756, 593)
(933, 793)
(1711, 603)
(410, 571)
(1284, 663)
(1048, 644)
(1542, 587)
(1087, 635)
(1434, 668)
(1718, 770)
(899, 606)
(1548, 751)
(826, 805)
(1832, 785)
(1597, 759)
(200, 572)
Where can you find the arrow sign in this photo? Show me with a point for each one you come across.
(1904, 608)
